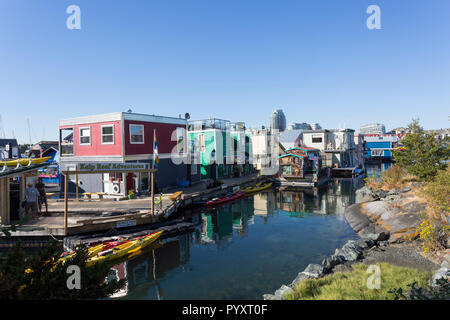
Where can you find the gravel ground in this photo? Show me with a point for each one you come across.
(400, 255)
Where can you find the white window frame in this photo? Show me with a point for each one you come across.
(143, 133)
(90, 136)
(101, 133)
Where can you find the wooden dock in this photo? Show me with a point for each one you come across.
(102, 215)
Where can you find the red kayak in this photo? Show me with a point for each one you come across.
(221, 200)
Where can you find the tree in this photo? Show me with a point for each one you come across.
(422, 154)
(41, 276)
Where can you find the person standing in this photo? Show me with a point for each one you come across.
(31, 196)
(40, 186)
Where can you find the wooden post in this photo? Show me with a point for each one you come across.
(153, 192)
(66, 185)
(76, 187)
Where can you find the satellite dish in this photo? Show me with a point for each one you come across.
(129, 111)
(187, 116)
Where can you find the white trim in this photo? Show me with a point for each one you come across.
(153, 118)
(111, 158)
(150, 156)
(91, 119)
(113, 133)
(79, 136)
(143, 133)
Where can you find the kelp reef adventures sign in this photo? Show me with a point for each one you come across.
(111, 166)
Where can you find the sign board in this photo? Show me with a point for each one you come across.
(111, 166)
(126, 223)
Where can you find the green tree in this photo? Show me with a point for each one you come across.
(422, 154)
(41, 277)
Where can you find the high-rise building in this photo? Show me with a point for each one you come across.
(372, 128)
(278, 120)
(298, 126)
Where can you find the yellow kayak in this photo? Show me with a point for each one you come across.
(257, 188)
(93, 251)
(24, 161)
(124, 249)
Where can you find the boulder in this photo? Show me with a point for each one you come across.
(314, 270)
(393, 192)
(442, 273)
(355, 217)
(350, 253)
(364, 195)
(270, 297)
(282, 291)
(381, 236)
(300, 277)
(403, 190)
(379, 194)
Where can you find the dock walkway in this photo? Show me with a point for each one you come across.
(98, 215)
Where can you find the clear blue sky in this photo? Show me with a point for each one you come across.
(231, 59)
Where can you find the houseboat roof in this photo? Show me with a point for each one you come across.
(303, 148)
(293, 155)
(119, 116)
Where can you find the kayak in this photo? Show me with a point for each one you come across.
(24, 161)
(217, 201)
(93, 251)
(124, 249)
(257, 188)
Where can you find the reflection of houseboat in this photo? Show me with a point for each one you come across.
(147, 269)
(302, 167)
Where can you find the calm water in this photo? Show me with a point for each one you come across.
(244, 249)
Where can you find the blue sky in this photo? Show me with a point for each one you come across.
(233, 59)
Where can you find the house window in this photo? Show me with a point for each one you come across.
(108, 134)
(317, 139)
(85, 136)
(136, 133)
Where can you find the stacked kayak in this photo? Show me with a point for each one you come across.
(123, 249)
(227, 198)
(257, 188)
(24, 161)
(112, 250)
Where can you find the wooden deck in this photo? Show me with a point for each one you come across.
(100, 215)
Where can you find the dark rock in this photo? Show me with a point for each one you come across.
(314, 270)
(383, 243)
(380, 193)
(382, 236)
(349, 253)
(393, 192)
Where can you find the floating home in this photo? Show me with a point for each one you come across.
(124, 137)
(302, 166)
(222, 148)
(379, 147)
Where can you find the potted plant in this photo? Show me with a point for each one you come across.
(131, 194)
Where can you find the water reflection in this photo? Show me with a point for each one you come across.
(255, 235)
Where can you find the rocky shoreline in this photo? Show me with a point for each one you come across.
(384, 220)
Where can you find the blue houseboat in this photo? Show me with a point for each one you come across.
(378, 147)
